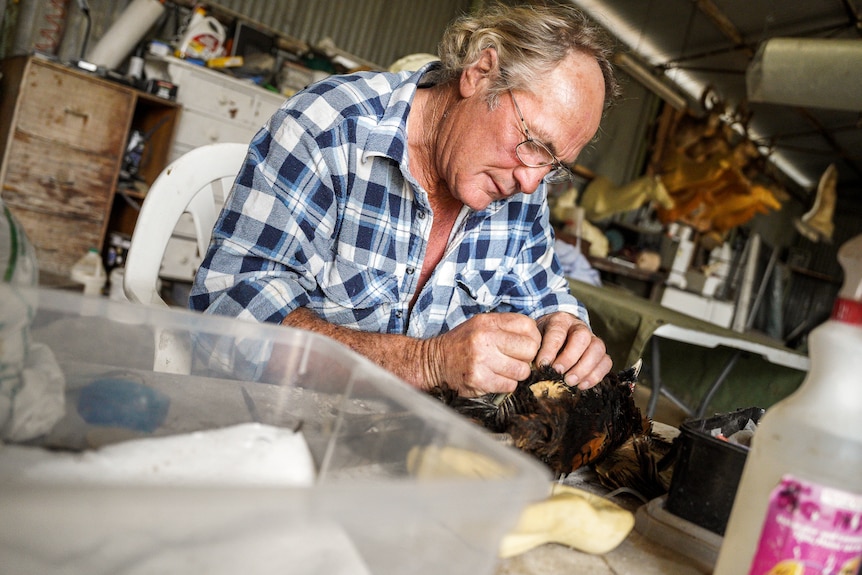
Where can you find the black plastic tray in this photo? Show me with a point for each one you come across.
(707, 470)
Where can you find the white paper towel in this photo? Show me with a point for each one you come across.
(244, 455)
(122, 37)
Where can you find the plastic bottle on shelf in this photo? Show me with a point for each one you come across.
(90, 271)
(798, 508)
(204, 37)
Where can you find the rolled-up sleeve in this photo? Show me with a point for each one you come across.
(278, 219)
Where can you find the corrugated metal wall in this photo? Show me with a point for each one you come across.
(380, 31)
(34, 17)
(377, 31)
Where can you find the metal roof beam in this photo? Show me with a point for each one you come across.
(723, 23)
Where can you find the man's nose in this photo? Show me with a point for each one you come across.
(529, 178)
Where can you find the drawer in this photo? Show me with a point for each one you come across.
(264, 108)
(48, 177)
(222, 97)
(74, 110)
(59, 240)
(211, 96)
(196, 129)
(181, 260)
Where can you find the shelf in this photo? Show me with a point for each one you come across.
(132, 193)
(614, 266)
(61, 157)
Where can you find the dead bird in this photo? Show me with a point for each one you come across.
(562, 426)
(642, 465)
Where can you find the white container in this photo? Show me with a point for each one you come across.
(90, 271)
(125, 33)
(116, 292)
(363, 427)
(799, 501)
(204, 38)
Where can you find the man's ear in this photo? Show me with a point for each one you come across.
(477, 76)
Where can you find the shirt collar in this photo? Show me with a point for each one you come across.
(388, 137)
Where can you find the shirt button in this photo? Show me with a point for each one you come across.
(398, 314)
(411, 270)
(421, 214)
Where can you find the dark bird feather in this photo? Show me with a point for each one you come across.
(562, 426)
(643, 464)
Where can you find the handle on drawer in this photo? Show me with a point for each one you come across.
(61, 183)
(74, 112)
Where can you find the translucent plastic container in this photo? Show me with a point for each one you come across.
(18, 266)
(18, 263)
(369, 510)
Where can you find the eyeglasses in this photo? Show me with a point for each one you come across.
(534, 154)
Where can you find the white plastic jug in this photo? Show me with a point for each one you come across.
(204, 38)
(798, 507)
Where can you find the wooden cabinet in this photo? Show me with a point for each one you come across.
(63, 135)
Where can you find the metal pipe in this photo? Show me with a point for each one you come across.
(743, 304)
(653, 82)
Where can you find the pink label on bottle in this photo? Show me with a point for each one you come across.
(810, 529)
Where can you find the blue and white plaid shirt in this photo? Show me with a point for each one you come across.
(325, 214)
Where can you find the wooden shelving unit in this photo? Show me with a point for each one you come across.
(63, 135)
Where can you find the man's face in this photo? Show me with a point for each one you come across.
(479, 162)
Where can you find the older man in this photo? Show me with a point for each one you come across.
(405, 215)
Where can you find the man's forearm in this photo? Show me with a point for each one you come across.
(411, 359)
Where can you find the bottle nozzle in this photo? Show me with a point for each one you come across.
(850, 258)
(848, 304)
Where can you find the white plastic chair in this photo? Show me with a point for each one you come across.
(184, 186)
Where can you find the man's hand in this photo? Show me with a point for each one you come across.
(489, 353)
(570, 347)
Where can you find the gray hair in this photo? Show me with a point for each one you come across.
(529, 40)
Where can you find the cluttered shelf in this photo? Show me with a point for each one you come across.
(621, 266)
(67, 207)
(644, 280)
(618, 268)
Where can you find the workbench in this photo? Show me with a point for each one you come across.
(636, 555)
(687, 356)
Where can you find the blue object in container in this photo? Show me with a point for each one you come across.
(123, 403)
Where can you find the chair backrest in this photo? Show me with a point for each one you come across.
(186, 185)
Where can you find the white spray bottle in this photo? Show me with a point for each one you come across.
(798, 508)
